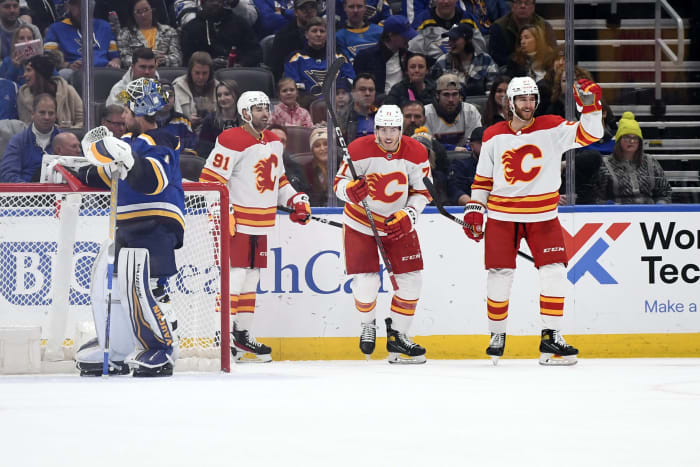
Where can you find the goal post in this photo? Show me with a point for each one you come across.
(50, 235)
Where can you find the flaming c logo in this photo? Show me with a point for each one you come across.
(378, 185)
(263, 174)
(513, 164)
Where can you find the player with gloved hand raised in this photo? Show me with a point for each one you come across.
(517, 179)
(390, 169)
(248, 160)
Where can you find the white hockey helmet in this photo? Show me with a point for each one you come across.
(521, 86)
(388, 115)
(250, 99)
(143, 96)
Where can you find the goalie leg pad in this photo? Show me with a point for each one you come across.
(149, 323)
(121, 341)
(89, 360)
(151, 362)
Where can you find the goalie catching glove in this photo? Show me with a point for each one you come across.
(474, 218)
(587, 95)
(302, 208)
(357, 190)
(400, 223)
(104, 150)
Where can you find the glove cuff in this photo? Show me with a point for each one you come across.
(474, 206)
(299, 197)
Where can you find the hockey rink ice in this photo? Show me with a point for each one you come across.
(608, 412)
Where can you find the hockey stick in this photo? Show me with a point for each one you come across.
(110, 265)
(322, 220)
(441, 209)
(331, 76)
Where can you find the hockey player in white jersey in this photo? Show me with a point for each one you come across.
(517, 179)
(150, 226)
(390, 169)
(248, 160)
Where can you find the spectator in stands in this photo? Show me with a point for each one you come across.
(8, 97)
(628, 176)
(65, 36)
(343, 100)
(432, 24)
(587, 166)
(505, 32)
(21, 162)
(451, 120)
(422, 135)
(9, 23)
(225, 117)
(387, 61)
(478, 9)
(143, 66)
(39, 77)
(112, 117)
(291, 37)
(273, 15)
(164, 10)
(496, 105)
(308, 66)
(142, 30)
(195, 92)
(66, 144)
(313, 177)
(416, 86)
(219, 31)
(42, 13)
(12, 66)
(360, 120)
(413, 123)
(476, 70)
(557, 105)
(288, 112)
(376, 11)
(533, 57)
(357, 34)
(173, 121)
(462, 170)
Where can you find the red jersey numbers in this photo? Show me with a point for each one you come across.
(513, 162)
(263, 174)
(380, 189)
(221, 162)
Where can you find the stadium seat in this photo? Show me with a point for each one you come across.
(318, 111)
(302, 158)
(298, 139)
(478, 101)
(266, 45)
(170, 73)
(250, 79)
(104, 79)
(191, 166)
(452, 155)
(9, 128)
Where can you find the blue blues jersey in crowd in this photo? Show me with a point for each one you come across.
(309, 73)
(349, 41)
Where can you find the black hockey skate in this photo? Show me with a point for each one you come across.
(555, 351)
(245, 349)
(497, 345)
(95, 369)
(401, 348)
(146, 372)
(368, 338)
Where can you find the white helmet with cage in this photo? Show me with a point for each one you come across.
(521, 86)
(250, 99)
(143, 96)
(388, 115)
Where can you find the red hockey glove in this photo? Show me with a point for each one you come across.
(357, 190)
(587, 95)
(474, 218)
(302, 208)
(400, 223)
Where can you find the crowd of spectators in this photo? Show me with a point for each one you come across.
(446, 63)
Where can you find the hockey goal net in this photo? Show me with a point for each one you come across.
(49, 237)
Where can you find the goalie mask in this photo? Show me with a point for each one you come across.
(521, 86)
(250, 99)
(143, 96)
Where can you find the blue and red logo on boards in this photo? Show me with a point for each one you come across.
(588, 262)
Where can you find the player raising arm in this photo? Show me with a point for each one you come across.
(517, 179)
(150, 226)
(390, 168)
(248, 160)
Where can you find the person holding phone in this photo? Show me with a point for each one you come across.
(25, 44)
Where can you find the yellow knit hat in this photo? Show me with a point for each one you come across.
(628, 126)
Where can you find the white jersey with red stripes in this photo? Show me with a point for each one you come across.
(395, 180)
(519, 173)
(253, 172)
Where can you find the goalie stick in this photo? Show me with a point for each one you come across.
(322, 220)
(331, 76)
(441, 209)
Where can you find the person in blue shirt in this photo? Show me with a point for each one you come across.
(357, 33)
(8, 100)
(21, 162)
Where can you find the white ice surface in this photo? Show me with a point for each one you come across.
(636, 412)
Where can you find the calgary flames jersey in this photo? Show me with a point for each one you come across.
(395, 180)
(519, 173)
(253, 172)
